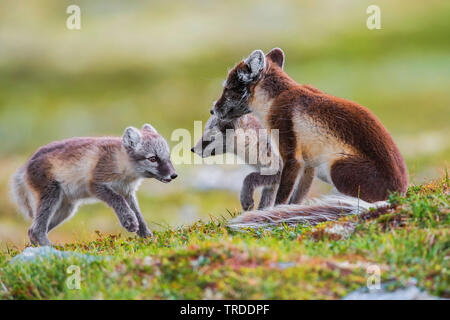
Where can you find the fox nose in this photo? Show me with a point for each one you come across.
(211, 111)
(173, 176)
(192, 149)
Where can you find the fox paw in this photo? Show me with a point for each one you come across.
(38, 239)
(130, 223)
(247, 204)
(144, 233)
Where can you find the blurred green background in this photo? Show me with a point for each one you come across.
(163, 62)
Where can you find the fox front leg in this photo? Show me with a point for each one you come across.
(251, 182)
(268, 196)
(126, 216)
(143, 231)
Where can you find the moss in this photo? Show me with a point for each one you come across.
(206, 260)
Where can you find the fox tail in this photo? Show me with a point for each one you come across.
(20, 193)
(328, 208)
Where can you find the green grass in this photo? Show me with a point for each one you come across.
(207, 260)
(130, 64)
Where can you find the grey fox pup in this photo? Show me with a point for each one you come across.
(213, 142)
(337, 140)
(255, 179)
(60, 175)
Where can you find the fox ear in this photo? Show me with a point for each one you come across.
(149, 127)
(256, 63)
(131, 138)
(277, 56)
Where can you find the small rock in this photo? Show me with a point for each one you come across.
(408, 293)
(32, 254)
(284, 265)
(342, 231)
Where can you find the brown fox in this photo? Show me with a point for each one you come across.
(62, 174)
(214, 142)
(337, 140)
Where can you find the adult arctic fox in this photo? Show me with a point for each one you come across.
(340, 141)
(56, 179)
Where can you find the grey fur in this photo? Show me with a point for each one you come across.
(210, 142)
(131, 138)
(213, 140)
(62, 175)
(256, 63)
(254, 180)
(142, 149)
(149, 127)
(64, 212)
(48, 204)
(327, 208)
(303, 186)
(116, 201)
(268, 196)
(143, 230)
(20, 194)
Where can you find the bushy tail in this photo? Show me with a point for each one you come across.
(327, 208)
(20, 193)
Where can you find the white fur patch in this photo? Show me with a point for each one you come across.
(260, 104)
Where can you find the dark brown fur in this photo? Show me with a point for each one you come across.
(379, 170)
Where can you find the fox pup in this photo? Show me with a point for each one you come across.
(339, 141)
(60, 175)
(213, 142)
(216, 126)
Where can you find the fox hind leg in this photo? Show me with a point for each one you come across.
(359, 178)
(65, 210)
(48, 204)
(268, 196)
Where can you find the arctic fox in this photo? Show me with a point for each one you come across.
(214, 142)
(60, 175)
(337, 140)
(209, 145)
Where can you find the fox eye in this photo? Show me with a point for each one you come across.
(152, 159)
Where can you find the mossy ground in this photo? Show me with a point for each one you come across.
(132, 64)
(209, 261)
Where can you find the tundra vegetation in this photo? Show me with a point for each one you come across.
(205, 260)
